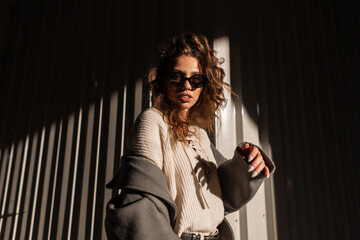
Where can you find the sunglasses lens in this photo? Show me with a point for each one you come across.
(175, 79)
(195, 81)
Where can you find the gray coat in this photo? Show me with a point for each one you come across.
(145, 209)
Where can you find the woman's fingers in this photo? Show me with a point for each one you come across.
(245, 147)
(245, 150)
(249, 152)
(259, 169)
(267, 172)
(254, 151)
(257, 163)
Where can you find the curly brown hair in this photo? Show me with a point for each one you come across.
(212, 97)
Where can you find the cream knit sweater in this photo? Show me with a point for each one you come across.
(193, 181)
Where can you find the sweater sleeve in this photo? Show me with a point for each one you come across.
(145, 139)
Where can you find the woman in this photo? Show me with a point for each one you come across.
(174, 183)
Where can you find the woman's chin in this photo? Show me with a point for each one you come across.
(186, 105)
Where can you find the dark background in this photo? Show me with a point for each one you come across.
(299, 60)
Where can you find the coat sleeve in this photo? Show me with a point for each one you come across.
(237, 185)
(135, 215)
(144, 209)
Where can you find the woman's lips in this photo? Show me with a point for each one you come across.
(185, 98)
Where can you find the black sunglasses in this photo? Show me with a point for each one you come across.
(178, 79)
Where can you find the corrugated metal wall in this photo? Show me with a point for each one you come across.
(65, 112)
(300, 62)
(70, 87)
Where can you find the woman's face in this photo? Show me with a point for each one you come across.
(185, 95)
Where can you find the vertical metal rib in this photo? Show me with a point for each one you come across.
(110, 155)
(28, 191)
(123, 122)
(123, 126)
(36, 191)
(96, 170)
(75, 173)
(64, 177)
(84, 199)
(40, 220)
(21, 184)
(4, 161)
(55, 180)
(13, 187)
(8, 173)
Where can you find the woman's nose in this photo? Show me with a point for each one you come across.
(187, 84)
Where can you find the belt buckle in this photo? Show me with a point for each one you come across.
(195, 237)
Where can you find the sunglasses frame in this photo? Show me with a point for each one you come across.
(184, 78)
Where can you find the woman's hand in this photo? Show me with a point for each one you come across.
(254, 157)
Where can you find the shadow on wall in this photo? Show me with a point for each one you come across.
(72, 89)
(63, 55)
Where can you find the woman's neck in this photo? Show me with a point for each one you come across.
(183, 114)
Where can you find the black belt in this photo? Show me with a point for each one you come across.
(188, 236)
